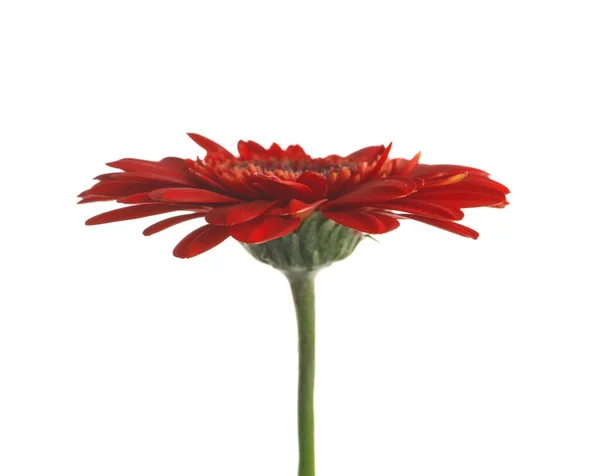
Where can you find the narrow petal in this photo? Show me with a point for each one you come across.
(228, 215)
(190, 195)
(456, 197)
(154, 178)
(363, 221)
(445, 179)
(377, 191)
(403, 167)
(445, 225)
(210, 146)
(274, 187)
(118, 188)
(296, 207)
(487, 183)
(425, 169)
(250, 150)
(366, 154)
(316, 182)
(421, 207)
(295, 152)
(390, 222)
(143, 197)
(132, 212)
(264, 228)
(201, 240)
(95, 198)
(174, 168)
(380, 162)
(169, 222)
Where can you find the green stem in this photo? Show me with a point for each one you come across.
(303, 291)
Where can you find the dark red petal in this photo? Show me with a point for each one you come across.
(295, 207)
(153, 178)
(210, 146)
(367, 154)
(207, 180)
(143, 197)
(169, 222)
(363, 221)
(137, 165)
(95, 198)
(426, 169)
(445, 225)
(461, 197)
(190, 195)
(201, 240)
(275, 150)
(237, 186)
(390, 222)
(264, 228)
(274, 187)
(107, 176)
(131, 213)
(250, 150)
(118, 188)
(228, 215)
(316, 182)
(171, 167)
(407, 165)
(295, 152)
(487, 183)
(444, 180)
(380, 162)
(420, 207)
(381, 190)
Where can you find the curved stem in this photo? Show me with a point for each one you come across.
(303, 291)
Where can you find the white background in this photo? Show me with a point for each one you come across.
(437, 355)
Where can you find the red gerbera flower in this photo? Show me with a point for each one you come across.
(265, 194)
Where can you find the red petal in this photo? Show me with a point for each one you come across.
(487, 183)
(118, 188)
(390, 222)
(380, 162)
(426, 169)
(264, 228)
(367, 154)
(445, 225)
(210, 146)
(169, 222)
(135, 198)
(250, 150)
(420, 207)
(131, 213)
(190, 195)
(316, 182)
(95, 198)
(390, 188)
(206, 179)
(151, 177)
(409, 165)
(201, 240)
(239, 213)
(462, 197)
(295, 152)
(171, 167)
(295, 207)
(363, 221)
(444, 180)
(274, 187)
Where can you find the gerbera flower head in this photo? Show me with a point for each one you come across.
(288, 209)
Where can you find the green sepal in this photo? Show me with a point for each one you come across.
(315, 244)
